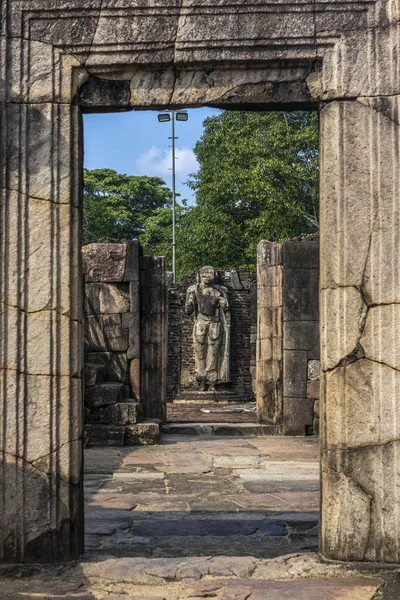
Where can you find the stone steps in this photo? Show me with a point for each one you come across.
(138, 434)
(225, 429)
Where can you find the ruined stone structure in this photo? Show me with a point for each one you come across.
(288, 354)
(59, 58)
(181, 382)
(115, 322)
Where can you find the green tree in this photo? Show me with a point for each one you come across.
(258, 179)
(117, 205)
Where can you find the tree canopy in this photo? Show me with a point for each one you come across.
(257, 179)
(118, 205)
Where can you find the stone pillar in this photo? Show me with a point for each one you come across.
(269, 337)
(360, 317)
(300, 335)
(41, 349)
(153, 336)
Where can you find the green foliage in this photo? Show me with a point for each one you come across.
(258, 179)
(117, 205)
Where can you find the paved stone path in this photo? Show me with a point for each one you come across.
(222, 518)
(199, 497)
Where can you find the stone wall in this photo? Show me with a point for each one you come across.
(288, 358)
(301, 357)
(62, 58)
(124, 343)
(180, 371)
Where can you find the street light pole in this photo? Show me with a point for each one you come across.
(164, 117)
(173, 202)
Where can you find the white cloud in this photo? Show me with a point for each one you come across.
(158, 162)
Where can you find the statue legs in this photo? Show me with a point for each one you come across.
(207, 343)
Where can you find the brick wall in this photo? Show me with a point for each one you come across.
(180, 368)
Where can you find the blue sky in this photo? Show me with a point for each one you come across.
(135, 143)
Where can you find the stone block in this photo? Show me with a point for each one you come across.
(313, 389)
(132, 271)
(94, 374)
(104, 394)
(314, 370)
(122, 413)
(131, 324)
(118, 367)
(302, 254)
(298, 414)
(105, 332)
(235, 280)
(105, 435)
(104, 262)
(295, 373)
(134, 377)
(268, 253)
(146, 433)
(106, 298)
(300, 335)
(300, 295)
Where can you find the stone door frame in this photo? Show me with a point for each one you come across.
(97, 55)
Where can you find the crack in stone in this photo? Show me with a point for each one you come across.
(29, 196)
(339, 448)
(94, 33)
(51, 476)
(27, 373)
(381, 362)
(175, 72)
(39, 310)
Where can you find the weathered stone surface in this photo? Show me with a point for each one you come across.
(122, 413)
(252, 55)
(303, 254)
(116, 363)
(105, 333)
(360, 414)
(313, 370)
(102, 298)
(269, 330)
(343, 313)
(131, 323)
(144, 433)
(300, 335)
(294, 373)
(104, 394)
(358, 385)
(104, 262)
(300, 294)
(134, 377)
(153, 340)
(386, 350)
(298, 415)
(105, 435)
(94, 373)
(313, 389)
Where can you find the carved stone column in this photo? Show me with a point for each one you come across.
(40, 320)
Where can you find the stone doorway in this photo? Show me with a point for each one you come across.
(60, 59)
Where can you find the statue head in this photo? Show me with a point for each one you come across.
(207, 275)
